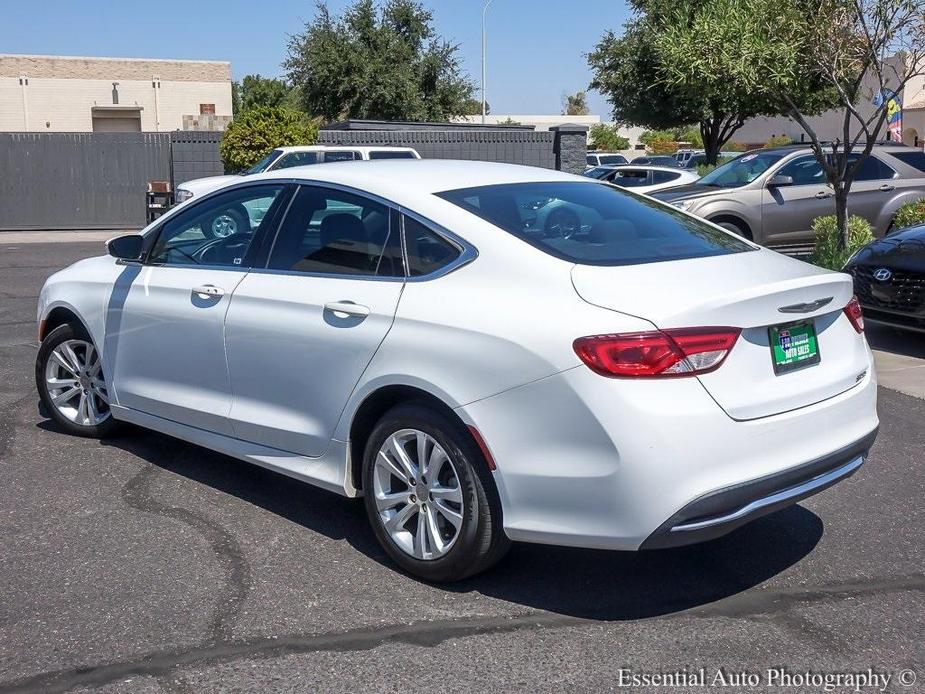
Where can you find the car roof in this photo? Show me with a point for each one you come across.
(647, 167)
(402, 179)
(322, 148)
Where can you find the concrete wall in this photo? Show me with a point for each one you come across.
(55, 94)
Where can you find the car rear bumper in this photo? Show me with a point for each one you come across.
(724, 510)
(589, 461)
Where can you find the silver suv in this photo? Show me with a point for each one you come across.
(772, 195)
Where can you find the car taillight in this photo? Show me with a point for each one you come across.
(855, 315)
(657, 353)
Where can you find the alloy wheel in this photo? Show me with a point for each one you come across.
(74, 378)
(417, 493)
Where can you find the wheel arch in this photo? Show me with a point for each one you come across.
(58, 316)
(733, 219)
(370, 411)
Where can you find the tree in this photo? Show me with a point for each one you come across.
(636, 74)
(255, 132)
(509, 121)
(473, 107)
(807, 55)
(575, 104)
(607, 137)
(374, 63)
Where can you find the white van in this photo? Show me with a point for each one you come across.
(287, 157)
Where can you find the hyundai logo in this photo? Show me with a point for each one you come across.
(882, 274)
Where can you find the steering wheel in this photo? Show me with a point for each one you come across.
(224, 250)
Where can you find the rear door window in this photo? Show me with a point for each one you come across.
(911, 158)
(341, 155)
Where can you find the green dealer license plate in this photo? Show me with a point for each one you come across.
(793, 346)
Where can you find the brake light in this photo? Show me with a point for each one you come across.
(855, 315)
(657, 353)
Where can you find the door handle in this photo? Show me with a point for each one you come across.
(886, 187)
(209, 290)
(822, 195)
(348, 307)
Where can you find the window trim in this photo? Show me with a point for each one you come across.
(357, 155)
(254, 251)
(273, 164)
(468, 252)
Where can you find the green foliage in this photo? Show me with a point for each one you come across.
(378, 63)
(704, 169)
(688, 133)
(649, 136)
(608, 138)
(829, 251)
(473, 107)
(575, 104)
(255, 132)
(734, 146)
(909, 215)
(509, 121)
(662, 145)
(778, 141)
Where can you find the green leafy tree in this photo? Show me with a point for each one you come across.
(607, 137)
(688, 133)
(636, 73)
(255, 132)
(473, 107)
(575, 104)
(378, 63)
(804, 56)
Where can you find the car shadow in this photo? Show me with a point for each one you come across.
(895, 341)
(590, 584)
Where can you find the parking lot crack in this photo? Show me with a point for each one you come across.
(137, 494)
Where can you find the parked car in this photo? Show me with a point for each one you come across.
(682, 156)
(643, 179)
(772, 195)
(476, 380)
(666, 160)
(889, 279)
(604, 159)
(285, 158)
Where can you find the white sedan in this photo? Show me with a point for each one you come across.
(404, 332)
(643, 178)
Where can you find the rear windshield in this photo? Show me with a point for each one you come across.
(594, 223)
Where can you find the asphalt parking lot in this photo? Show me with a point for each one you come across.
(146, 564)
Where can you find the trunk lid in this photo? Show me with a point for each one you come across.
(743, 290)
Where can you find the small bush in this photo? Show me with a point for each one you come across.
(778, 141)
(704, 169)
(827, 253)
(734, 146)
(909, 215)
(663, 145)
(254, 133)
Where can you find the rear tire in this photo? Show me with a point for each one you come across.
(71, 385)
(415, 518)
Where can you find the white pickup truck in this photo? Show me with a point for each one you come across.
(241, 219)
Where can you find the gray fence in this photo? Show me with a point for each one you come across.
(98, 180)
(94, 180)
(514, 147)
(78, 180)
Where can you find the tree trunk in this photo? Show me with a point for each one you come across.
(841, 213)
(711, 148)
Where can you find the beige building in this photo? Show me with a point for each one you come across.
(41, 93)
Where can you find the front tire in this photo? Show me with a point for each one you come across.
(71, 385)
(429, 495)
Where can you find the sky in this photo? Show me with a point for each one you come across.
(536, 48)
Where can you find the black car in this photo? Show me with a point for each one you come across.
(889, 279)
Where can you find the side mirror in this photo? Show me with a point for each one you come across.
(128, 247)
(779, 180)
